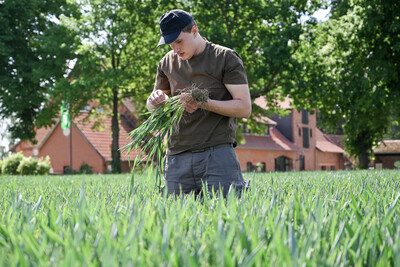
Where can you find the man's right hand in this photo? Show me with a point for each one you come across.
(156, 99)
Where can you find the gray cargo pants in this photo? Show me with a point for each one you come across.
(216, 167)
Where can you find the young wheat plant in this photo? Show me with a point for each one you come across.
(149, 137)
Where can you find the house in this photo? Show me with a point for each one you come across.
(82, 144)
(292, 142)
(386, 154)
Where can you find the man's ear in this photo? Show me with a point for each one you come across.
(195, 30)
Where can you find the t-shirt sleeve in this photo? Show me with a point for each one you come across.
(234, 72)
(161, 80)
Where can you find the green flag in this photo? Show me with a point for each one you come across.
(65, 116)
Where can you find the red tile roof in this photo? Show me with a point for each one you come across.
(274, 141)
(102, 140)
(388, 147)
(324, 144)
(41, 135)
(262, 102)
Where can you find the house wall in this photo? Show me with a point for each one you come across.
(387, 160)
(58, 149)
(267, 156)
(329, 161)
(297, 126)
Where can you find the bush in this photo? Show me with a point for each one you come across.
(10, 164)
(44, 166)
(85, 168)
(27, 165)
(397, 164)
(18, 164)
(68, 170)
(1, 164)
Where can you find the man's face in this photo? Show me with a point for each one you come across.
(184, 45)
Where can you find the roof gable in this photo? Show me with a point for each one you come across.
(324, 144)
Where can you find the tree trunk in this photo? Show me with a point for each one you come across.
(115, 153)
(363, 157)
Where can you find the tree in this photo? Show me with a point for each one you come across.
(351, 71)
(266, 34)
(34, 49)
(116, 57)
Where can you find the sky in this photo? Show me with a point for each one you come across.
(3, 129)
(322, 14)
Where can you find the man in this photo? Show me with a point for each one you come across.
(201, 147)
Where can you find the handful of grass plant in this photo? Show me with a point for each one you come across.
(149, 137)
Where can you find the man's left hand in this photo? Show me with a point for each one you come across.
(189, 105)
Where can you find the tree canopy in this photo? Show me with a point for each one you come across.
(34, 49)
(351, 71)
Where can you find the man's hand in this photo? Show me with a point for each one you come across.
(156, 99)
(189, 105)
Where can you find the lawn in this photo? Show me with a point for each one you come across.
(348, 218)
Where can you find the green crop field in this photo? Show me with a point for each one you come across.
(285, 219)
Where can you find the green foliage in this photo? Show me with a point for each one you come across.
(1, 166)
(284, 219)
(18, 164)
(68, 170)
(266, 34)
(44, 166)
(351, 69)
(85, 168)
(10, 164)
(117, 58)
(397, 164)
(27, 165)
(34, 49)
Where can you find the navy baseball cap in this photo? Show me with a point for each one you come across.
(172, 24)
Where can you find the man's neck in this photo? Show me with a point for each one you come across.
(201, 45)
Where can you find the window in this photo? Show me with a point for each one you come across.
(304, 116)
(306, 141)
(282, 163)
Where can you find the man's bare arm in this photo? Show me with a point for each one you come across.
(238, 107)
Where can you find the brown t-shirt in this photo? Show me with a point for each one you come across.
(210, 70)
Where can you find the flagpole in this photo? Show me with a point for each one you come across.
(70, 147)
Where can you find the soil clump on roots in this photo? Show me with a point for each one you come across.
(195, 94)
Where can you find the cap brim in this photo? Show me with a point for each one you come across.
(167, 39)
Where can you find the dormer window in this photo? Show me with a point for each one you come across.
(304, 116)
(306, 142)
